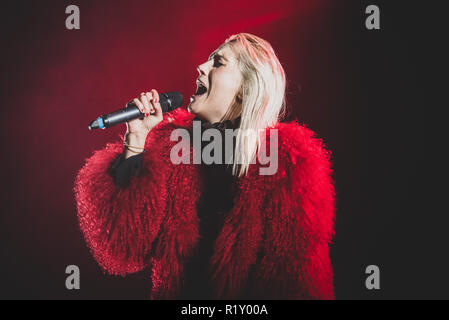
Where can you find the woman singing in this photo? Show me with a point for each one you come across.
(222, 230)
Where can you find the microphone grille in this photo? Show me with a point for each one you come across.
(174, 99)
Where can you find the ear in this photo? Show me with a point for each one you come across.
(239, 97)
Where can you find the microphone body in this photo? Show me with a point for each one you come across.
(169, 101)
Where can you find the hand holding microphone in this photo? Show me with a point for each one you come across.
(138, 129)
(149, 105)
(168, 101)
(140, 115)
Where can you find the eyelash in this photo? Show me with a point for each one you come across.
(216, 60)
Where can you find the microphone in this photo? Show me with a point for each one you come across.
(169, 101)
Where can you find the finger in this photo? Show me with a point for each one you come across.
(144, 109)
(146, 103)
(150, 98)
(155, 95)
(139, 105)
(156, 98)
(156, 104)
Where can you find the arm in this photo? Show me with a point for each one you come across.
(119, 224)
(122, 170)
(151, 221)
(275, 241)
(299, 221)
(129, 163)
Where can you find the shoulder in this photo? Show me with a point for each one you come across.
(297, 142)
(298, 148)
(298, 164)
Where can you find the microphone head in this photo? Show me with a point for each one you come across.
(170, 100)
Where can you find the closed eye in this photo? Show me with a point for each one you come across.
(217, 62)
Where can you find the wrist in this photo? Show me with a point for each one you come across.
(129, 153)
(136, 139)
(134, 143)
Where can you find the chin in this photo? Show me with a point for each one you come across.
(193, 108)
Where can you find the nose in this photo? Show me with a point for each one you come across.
(203, 69)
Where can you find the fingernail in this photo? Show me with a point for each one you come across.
(147, 114)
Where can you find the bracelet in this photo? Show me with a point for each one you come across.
(139, 150)
(127, 146)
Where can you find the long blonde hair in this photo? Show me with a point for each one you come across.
(260, 101)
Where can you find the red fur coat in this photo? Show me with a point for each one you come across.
(280, 226)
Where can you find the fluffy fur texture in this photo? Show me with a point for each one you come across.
(274, 242)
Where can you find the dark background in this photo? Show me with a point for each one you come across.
(368, 94)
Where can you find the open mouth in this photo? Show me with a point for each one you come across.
(201, 89)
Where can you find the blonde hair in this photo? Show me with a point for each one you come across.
(260, 101)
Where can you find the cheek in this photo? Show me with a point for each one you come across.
(227, 84)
